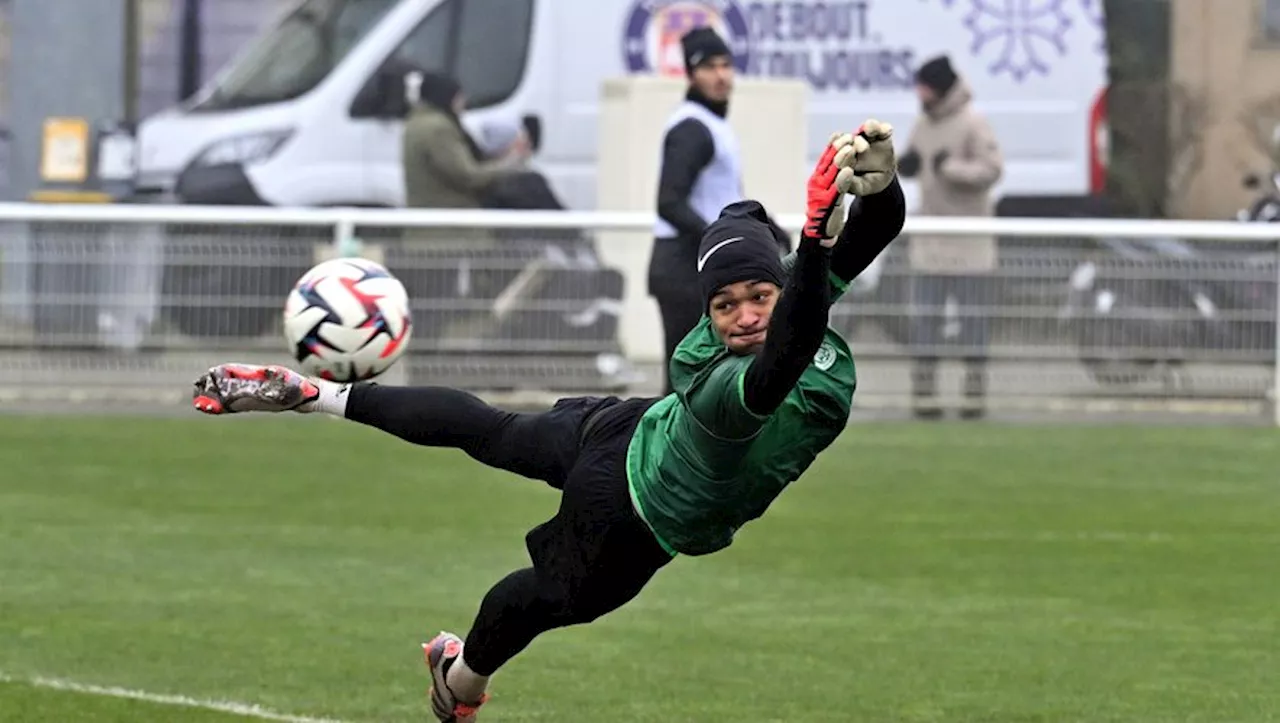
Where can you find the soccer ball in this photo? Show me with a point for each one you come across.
(347, 320)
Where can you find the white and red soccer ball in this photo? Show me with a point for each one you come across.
(347, 320)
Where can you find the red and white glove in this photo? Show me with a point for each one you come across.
(825, 216)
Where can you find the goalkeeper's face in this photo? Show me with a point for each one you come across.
(740, 313)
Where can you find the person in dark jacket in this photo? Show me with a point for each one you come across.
(525, 187)
(701, 174)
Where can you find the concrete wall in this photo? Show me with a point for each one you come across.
(81, 73)
(228, 25)
(1220, 53)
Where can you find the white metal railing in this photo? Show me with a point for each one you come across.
(634, 221)
(1047, 318)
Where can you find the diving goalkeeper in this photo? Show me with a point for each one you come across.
(762, 386)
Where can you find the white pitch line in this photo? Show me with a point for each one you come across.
(247, 710)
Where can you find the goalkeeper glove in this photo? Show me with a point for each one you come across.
(875, 163)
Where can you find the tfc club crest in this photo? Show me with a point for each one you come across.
(651, 43)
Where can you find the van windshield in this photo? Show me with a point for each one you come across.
(295, 55)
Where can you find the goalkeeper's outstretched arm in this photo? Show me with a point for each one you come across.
(796, 330)
(733, 401)
(874, 222)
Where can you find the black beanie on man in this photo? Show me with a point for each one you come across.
(938, 75)
(700, 45)
(738, 246)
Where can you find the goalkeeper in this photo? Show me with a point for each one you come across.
(762, 386)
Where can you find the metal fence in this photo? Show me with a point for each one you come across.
(126, 304)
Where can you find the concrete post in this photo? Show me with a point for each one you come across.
(67, 58)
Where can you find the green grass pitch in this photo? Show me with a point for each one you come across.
(918, 573)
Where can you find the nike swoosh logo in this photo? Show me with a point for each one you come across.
(703, 261)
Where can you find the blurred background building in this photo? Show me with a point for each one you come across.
(1111, 108)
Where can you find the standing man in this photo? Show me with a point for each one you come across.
(701, 174)
(954, 153)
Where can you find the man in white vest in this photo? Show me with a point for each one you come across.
(701, 174)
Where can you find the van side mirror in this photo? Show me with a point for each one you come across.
(383, 97)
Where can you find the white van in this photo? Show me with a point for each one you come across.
(298, 119)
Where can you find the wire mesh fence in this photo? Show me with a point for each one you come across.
(115, 307)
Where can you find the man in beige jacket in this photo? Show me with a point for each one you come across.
(953, 153)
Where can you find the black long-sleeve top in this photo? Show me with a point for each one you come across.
(687, 149)
(799, 321)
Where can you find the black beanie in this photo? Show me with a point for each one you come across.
(700, 45)
(738, 246)
(937, 74)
